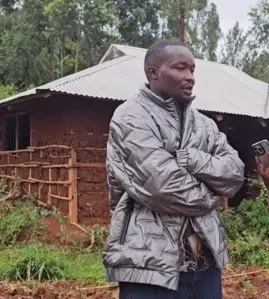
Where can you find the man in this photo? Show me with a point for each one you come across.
(263, 170)
(167, 167)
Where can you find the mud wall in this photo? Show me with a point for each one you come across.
(82, 124)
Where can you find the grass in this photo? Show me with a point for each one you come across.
(39, 262)
(21, 217)
(25, 253)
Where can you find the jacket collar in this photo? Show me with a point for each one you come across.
(169, 104)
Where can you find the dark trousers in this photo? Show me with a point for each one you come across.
(199, 285)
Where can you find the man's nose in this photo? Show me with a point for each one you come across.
(190, 77)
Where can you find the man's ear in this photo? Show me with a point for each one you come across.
(152, 72)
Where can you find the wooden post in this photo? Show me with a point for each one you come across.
(30, 174)
(73, 192)
(50, 179)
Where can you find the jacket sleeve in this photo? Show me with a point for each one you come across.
(150, 175)
(221, 170)
(115, 191)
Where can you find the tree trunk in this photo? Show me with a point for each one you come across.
(52, 65)
(181, 21)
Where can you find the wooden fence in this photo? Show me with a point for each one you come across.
(49, 172)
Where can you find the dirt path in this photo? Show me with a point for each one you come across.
(242, 287)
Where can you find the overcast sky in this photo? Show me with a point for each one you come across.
(231, 11)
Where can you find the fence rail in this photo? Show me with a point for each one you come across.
(54, 166)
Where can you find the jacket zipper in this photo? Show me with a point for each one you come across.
(181, 120)
(181, 117)
(181, 233)
(126, 222)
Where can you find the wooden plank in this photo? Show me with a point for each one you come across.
(4, 153)
(35, 181)
(19, 165)
(60, 197)
(49, 182)
(50, 146)
(56, 166)
(73, 192)
(59, 157)
(28, 165)
(93, 149)
(90, 165)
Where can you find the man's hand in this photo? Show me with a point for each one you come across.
(263, 169)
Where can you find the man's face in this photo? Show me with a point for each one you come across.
(173, 75)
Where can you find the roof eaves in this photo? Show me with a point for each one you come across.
(37, 94)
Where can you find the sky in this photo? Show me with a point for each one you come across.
(231, 11)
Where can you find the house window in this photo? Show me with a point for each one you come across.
(17, 132)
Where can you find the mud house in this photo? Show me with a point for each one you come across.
(54, 137)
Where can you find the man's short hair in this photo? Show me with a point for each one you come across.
(155, 50)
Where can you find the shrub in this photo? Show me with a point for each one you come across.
(35, 262)
(248, 230)
(22, 217)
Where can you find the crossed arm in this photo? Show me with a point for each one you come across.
(188, 185)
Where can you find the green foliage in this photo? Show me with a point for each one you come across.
(260, 23)
(7, 91)
(202, 25)
(248, 287)
(42, 40)
(26, 255)
(35, 262)
(249, 51)
(97, 235)
(20, 219)
(42, 262)
(138, 24)
(248, 231)
(234, 47)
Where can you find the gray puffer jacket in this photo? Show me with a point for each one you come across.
(162, 169)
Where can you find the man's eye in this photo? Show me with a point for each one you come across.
(180, 67)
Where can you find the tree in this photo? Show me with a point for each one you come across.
(6, 91)
(138, 21)
(259, 17)
(201, 23)
(234, 48)
(256, 61)
(210, 32)
(22, 48)
(8, 5)
(42, 40)
(256, 64)
(170, 15)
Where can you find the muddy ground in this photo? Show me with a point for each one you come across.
(235, 286)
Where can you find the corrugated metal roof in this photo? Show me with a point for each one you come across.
(120, 74)
(101, 81)
(219, 87)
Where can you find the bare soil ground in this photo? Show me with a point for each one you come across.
(235, 286)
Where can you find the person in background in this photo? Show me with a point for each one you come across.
(168, 166)
(263, 170)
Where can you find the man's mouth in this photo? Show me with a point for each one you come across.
(187, 90)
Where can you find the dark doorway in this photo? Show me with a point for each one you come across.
(17, 132)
